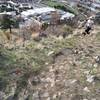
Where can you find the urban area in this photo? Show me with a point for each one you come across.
(49, 49)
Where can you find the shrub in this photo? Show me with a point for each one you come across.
(44, 26)
(64, 31)
(97, 20)
(67, 30)
(60, 7)
(3, 83)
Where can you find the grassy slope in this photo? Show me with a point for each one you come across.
(33, 58)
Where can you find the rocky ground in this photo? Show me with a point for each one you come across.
(74, 74)
(71, 72)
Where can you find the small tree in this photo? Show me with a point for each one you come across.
(7, 22)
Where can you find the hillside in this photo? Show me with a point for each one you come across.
(52, 68)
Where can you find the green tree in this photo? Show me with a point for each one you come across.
(7, 22)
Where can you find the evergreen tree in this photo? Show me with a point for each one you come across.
(7, 22)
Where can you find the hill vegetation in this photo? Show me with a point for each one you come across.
(70, 62)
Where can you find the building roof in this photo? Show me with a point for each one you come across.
(67, 15)
(37, 11)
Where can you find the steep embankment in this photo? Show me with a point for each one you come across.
(52, 69)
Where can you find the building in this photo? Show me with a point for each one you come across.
(21, 1)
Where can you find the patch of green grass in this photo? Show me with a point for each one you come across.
(61, 6)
